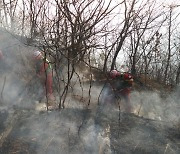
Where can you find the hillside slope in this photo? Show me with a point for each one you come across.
(87, 131)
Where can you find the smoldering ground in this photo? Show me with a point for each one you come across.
(152, 105)
(55, 132)
(81, 127)
(149, 105)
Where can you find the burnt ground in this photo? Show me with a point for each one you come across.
(72, 130)
(85, 131)
(133, 134)
(75, 130)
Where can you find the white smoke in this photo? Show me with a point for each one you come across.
(15, 70)
(59, 132)
(152, 105)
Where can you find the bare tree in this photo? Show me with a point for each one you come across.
(128, 19)
(70, 34)
(170, 33)
(141, 31)
(178, 75)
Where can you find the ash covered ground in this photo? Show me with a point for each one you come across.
(83, 126)
(75, 130)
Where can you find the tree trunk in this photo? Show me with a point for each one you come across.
(169, 48)
(178, 75)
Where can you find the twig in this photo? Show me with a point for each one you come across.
(120, 117)
(140, 107)
(136, 145)
(48, 143)
(69, 139)
(168, 146)
(3, 87)
(101, 93)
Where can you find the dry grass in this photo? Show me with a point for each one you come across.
(151, 84)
